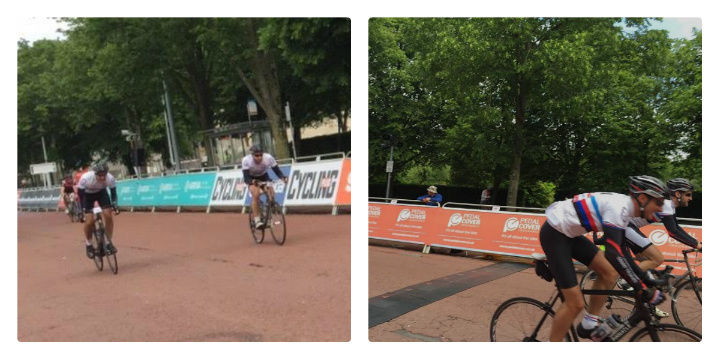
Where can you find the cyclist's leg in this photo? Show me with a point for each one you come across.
(606, 277)
(558, 249)
(255, 204)
(106, 205)
(567, 313)
(271, 192)
(88, 202)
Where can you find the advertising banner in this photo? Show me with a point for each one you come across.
(343, 195)
(402, 223)
(177, 190)
(278, 186)
(229, 189)
(508, 233)
(46, 199)
(127, 192)
(314, 183)
(502, 233)
(671, 248)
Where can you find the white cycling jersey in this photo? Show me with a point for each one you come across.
(258, 169)
(92, 185)
(589, 212)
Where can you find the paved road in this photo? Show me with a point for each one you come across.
(462, 316)
(185, 277)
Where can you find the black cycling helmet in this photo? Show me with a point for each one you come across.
(100, 167)
(648, 185)
(679, 184)
(256, 149)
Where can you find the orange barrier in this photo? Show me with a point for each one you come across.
(343, 194)
(505, 233)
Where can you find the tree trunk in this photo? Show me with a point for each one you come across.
(518, 140)
(265, 87)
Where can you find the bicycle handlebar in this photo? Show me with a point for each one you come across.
(663, 277)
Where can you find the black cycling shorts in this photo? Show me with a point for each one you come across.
(561, 250)
(264, 177)
(102, 197)
(68, 190)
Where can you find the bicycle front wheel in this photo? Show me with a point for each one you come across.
(276, 221)
(687, 305)
(667, 333)
(623, 306)
(97, 249)
(522, 319)
(257, 234)
(110, 257)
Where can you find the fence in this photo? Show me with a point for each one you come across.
(477, 228)
(317, 181)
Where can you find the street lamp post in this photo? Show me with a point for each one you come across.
(391, 142)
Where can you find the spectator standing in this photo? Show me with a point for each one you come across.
(486, 195)
(432, 198)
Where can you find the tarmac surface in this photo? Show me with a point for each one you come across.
(185, 277)
(463, 315)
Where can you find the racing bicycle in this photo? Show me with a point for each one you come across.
(75, 210)
(271, 215)
(102, 244)
(686, 296)
(530, 320)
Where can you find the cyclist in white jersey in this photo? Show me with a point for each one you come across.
(255, 169)
(651, 257)
(562, 239)
(93, 187)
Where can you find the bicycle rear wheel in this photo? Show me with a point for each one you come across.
(522, 319)
(667, 333)
(276, 222)
(687, 305)
(623, 306)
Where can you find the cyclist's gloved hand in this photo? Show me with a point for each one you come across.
(653, 296)
(285, 179)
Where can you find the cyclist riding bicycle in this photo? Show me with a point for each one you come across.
(680, 196)
(562, 239)
(93, 187)
(68, 187)
(255, 167)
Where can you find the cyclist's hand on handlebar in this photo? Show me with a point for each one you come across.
(653, 296)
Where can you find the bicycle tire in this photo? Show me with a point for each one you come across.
(71, 212)
(97, 248)
(623, 306)
(668, 332)
(111, 258)
(687, 305)
(257, 234)
(276, 222)
(517, 319)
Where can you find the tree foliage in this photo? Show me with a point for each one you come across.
(580, 103)
(109, 75)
